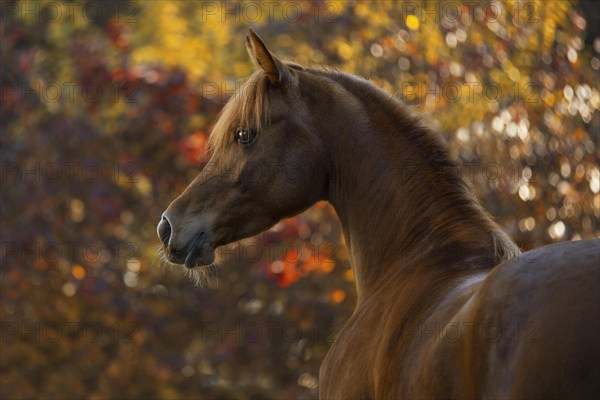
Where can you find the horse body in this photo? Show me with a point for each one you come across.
(447, 305)
(527, 328)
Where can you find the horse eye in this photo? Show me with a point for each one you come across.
(244, 136)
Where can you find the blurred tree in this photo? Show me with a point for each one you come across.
(106, 107)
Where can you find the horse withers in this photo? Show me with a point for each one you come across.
(447, 306)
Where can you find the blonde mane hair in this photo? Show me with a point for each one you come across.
(247, 108)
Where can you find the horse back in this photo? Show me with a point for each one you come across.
(538, 325)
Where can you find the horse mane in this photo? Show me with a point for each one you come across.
(462, 203)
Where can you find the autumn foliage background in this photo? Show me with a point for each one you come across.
(106, 108)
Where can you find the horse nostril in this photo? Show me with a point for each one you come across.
(164, 231)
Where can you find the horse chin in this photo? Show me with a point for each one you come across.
(200, 256)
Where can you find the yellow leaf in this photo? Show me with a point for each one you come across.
(412, 22)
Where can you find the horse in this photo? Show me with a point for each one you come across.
(447, 305)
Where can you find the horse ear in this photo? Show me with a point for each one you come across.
(262, 58)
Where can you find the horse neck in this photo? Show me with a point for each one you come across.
(401, 203)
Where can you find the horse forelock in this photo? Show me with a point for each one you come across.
(247, 108)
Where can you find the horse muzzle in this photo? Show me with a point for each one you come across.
(192, 253)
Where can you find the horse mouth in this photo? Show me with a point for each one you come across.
(200, 255)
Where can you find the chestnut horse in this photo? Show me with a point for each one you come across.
(448, 307)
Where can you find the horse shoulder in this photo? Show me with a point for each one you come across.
(438, 358)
